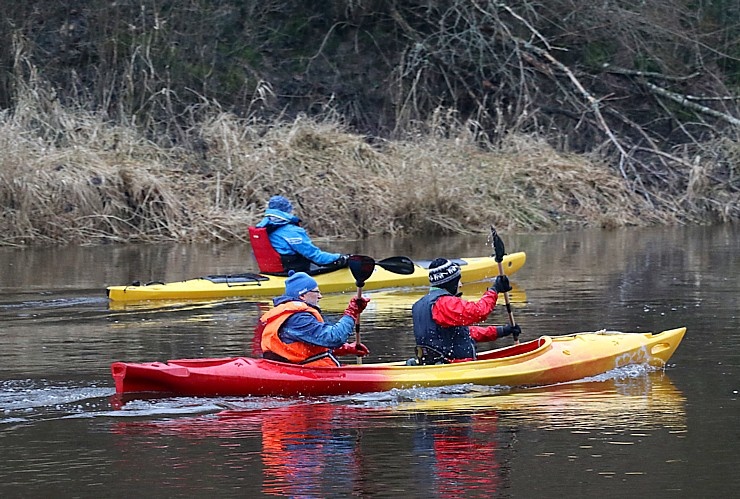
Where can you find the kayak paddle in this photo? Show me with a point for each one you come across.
(396, 264)
(499, 252)
(361, 267)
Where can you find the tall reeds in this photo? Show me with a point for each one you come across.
(71, 176)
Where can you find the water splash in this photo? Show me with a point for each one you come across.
(29, 400)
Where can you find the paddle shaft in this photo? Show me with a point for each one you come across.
(362, 267)
(499, 250)
(508, 303)
(357, 325)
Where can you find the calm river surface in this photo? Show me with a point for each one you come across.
(632, 432)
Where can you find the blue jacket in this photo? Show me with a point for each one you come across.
(290, 239)
(303, 326)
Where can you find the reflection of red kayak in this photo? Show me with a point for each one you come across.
(543, 361)
(317, 450)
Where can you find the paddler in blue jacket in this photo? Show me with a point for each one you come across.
(294, 330)
(291, 241)
(443, 322)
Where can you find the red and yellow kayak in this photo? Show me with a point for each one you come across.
(339, 281)
(544, 361)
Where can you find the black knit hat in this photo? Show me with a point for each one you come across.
(444, 274)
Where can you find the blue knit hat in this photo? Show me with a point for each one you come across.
(280, 203)
(299, 283)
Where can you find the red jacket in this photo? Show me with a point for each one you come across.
(451, 311)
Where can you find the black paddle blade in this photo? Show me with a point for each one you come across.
(498, 246)
(361, 267)
(397, 264)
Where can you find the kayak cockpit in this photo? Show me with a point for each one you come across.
(514, 350)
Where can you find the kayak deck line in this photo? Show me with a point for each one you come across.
(543, 361)
(339, 281)
(237, 279)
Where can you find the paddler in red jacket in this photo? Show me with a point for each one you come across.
(443, 322)
(294, 330)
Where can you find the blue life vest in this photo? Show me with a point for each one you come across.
(448, 342)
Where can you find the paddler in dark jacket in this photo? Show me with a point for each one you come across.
(443, 322)
(295, 332)
(291, 241)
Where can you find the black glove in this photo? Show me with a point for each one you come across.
(501, 284)
(502, 331)
(342, 261)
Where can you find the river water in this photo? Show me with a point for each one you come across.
(634, 431)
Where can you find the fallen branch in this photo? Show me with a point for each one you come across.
(648, 74)
(684, 101)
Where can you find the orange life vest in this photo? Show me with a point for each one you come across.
(268, 260)
(297, 352)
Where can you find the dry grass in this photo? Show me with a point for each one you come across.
(68, 176)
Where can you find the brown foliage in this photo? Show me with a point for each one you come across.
(150, 120)
(107, 184)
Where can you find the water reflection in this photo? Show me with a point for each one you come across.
(451, 442)
(330, 449)
(625, 398)
(459, 454)
(302, 447)
(635, 432)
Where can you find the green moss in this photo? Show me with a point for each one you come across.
(731, 67)
(645, 62)
(598, 53)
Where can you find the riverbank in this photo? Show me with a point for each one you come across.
(71, 177)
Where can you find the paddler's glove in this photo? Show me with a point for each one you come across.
(342, 261)
(508, 329)
(362, 302)
(351, 349)
(356, 306)
(501, 284)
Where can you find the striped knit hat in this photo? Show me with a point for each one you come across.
(444, 274)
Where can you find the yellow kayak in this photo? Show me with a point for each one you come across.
(339, 281)
(382, 301)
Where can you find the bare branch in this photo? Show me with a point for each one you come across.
(592, 101)
(684, 101)
(648, 74)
